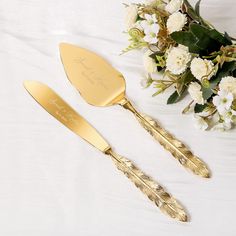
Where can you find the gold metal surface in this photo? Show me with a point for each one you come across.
(58, 108)
(170, 143)
(101, 85)
(154, 191)
(98, 82)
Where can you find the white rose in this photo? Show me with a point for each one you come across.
(131, 16)
(176, 22)
(177, 60)
(174, 6)
(202, 68)
(149, 63)
(228, 84)
(195, 92)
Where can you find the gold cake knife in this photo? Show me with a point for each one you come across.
(58, 108)
(102, 85)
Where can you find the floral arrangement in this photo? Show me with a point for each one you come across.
(192, 56)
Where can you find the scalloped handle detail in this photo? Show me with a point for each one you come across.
(177, 148)
(154, 191)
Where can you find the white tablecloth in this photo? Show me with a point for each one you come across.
(52, 182)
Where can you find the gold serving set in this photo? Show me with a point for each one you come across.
(102, 85)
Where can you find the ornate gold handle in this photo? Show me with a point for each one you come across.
(149, 187)
(170, 143)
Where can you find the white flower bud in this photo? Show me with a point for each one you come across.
(131, 16)
(149, 63)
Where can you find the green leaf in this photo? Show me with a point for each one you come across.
(202, 32)
(149, 82)
(200, 39)
(226, 70)
(157, 93)
(139, 18)
(222, 39)
(206, 93)
(204, 39)
(153, 55)
(175, 97)
(197, 7)
(185, 79)
(193, 13)
(199, 108)
(234, 73)
(226, 35)
(187, 39)
(190, 11)
(159, 58)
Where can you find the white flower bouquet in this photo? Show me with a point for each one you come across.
(192, 56)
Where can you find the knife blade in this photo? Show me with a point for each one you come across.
(58, 108)
(65, 114)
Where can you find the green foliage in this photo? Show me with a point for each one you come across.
(134, 45)
(203, 40)
(183, 81)
(136, 40)
(149, 82)
(155, 54)
(199, 108)
(181, 87)
(175, 97)
(160, 59)
(187, 39)
(200, 39)
(207, 92)
(227, 69)
(194, 14)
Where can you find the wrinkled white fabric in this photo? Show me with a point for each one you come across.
(54, 183)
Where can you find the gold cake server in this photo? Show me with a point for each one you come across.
(102, 85)
(58, 108)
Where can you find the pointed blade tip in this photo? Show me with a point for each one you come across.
(27, 83)
(64, 45)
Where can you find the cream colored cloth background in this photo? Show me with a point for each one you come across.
(54, 184)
